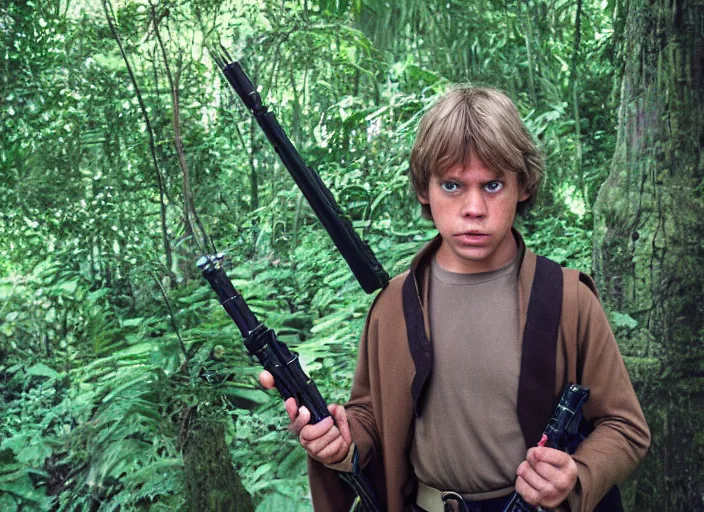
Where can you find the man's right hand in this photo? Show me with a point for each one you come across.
(326, 441)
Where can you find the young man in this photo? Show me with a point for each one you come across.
(456, 378)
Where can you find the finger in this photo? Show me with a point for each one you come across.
(266, 379)
(556, 458)
(560, 471)
(310, 433)
(334, 452)
(301, 420)
(546, 470)
(325, 445)
(554, 476)
(340, 415)
(291, 408)
(532, 478)
(527, 492)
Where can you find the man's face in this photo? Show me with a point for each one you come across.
(473, 208)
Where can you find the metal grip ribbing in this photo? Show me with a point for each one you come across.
(262, 343)
(284, 365)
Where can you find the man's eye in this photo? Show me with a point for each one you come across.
(493, 187)
(449, 186)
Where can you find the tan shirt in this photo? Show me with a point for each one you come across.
(469, 439)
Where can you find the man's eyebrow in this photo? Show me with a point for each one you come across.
(442, 178)
(455, 176)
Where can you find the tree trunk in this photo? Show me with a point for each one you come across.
(648, 251)
(574, 73)
(212, 484)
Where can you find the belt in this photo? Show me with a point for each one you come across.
(435, 500)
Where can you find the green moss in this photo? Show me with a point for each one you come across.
(212, 484)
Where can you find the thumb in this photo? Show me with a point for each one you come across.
(266, 379)
(338, 412)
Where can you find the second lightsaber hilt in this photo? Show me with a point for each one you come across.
(562, 433)
(262, 343)
(289, 378)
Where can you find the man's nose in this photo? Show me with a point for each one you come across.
(474, 204)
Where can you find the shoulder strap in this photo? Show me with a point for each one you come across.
(536, 383)
(418, 342)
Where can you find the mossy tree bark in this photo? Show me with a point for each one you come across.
(648, 252)
(212, 484)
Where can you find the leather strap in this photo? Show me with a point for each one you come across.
(536, 384)
(421, 350)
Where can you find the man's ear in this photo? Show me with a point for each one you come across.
(423, 198)
(523, 196)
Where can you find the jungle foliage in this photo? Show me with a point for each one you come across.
(124, 156)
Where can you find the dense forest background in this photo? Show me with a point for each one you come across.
(124, 156)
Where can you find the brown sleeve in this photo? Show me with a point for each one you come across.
(621, 436)
(360, 413)
(359, 408)
(328, 491)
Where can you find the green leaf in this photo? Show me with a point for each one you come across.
(623, 320)
(8, 503)
(256, 396)
(330, 321)
(69, 288)
(132, 322)
(42, 370)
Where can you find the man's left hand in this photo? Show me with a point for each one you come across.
(546, 477)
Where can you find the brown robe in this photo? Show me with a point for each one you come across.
(381, 407)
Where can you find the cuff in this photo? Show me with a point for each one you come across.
(574, 498)
(346, 465)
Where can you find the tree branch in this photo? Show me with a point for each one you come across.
(109, 14)
(178, 142)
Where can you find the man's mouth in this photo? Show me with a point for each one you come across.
(471, 237)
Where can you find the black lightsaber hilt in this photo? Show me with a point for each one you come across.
(560, 433)
(564, 423)
(262, 343)
(358, 255)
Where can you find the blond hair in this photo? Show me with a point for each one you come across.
(480, 121)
